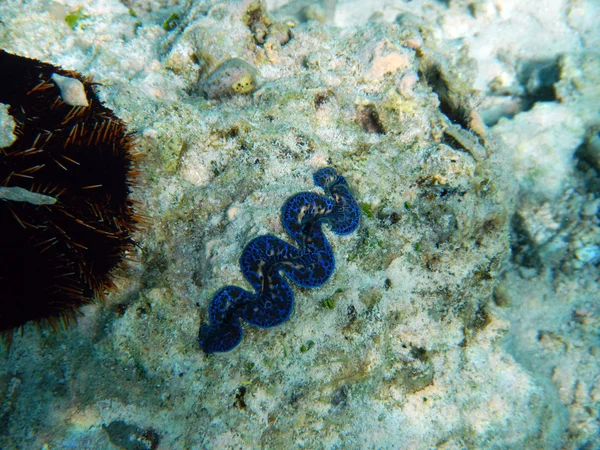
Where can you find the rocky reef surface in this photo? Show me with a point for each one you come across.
(464, 311)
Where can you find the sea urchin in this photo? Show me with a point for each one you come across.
(66, 218)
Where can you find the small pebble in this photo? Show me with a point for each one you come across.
(590, 208)
(234, 76)
(588, 253)
(280, 33)
(18, 194)
(7, 127)
(71, 90)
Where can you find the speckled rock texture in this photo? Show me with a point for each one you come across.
(7, 125)
(413, 342)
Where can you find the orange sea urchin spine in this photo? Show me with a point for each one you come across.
(74, 156)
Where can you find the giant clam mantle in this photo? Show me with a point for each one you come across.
(265, 258)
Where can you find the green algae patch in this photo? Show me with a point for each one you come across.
(367, 210)
(74, 19)
(171, 22)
